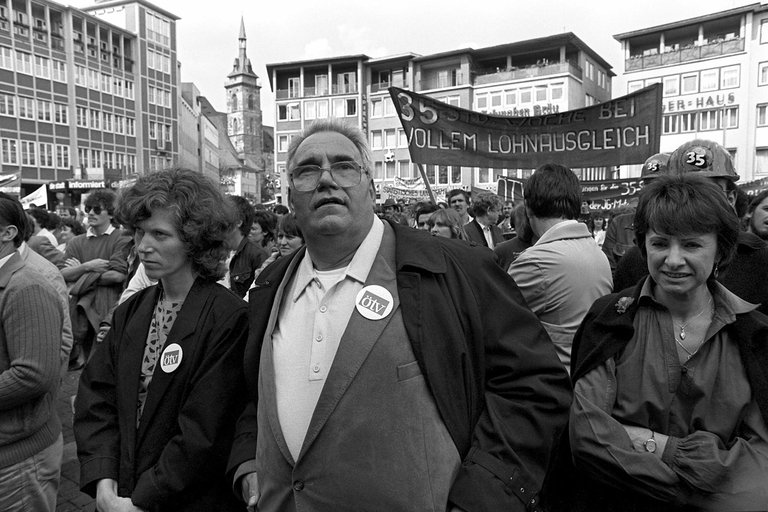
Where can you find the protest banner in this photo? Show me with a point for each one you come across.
(625, 130)
(600, 195)
(753, 188)
(38, 198)
(10, 184)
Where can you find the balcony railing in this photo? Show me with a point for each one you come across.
(687, 54)
(283, 94)
(383, 86)
(499, 75)
(436, 82)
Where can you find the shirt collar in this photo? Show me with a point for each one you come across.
(4, 260)
(90, 233)
(727, 304)
(358, 269)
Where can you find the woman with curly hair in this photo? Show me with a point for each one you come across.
(157, 402)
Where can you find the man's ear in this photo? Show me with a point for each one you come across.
(8, 233)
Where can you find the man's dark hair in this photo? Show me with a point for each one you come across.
(244, 212)
(485, 201)
(12, 214)
(424, 207)
(456, 192)
(41, 216)
(280, 209)
(552, 192)
(73, 224)
(102, 197)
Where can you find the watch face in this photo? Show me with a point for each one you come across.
(650, 445)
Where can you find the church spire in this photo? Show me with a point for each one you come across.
(242, 62)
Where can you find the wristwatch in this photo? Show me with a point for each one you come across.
(650, 444)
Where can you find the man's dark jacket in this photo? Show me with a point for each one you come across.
(248, 257)
(493, 372)
(474, 231)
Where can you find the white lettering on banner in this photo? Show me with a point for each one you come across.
(701, 102)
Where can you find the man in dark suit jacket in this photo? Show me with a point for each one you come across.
(483, 229)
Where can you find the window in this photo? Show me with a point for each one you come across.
(310, 110)
(762, 74)
(82, 117)
(688, 122)
(525, 95)
(93, 79)
(294, 87)
(671, 124)
(541, 93)
(495, 99)
(28, 154)
(731, 117)
(402, 140)
(130, 126)
(80, 76)
(152, 130)
(556, 90)
(602, 79)
(282, 143)
(42, 67)
(95, 120)
(119, 124)
(390, 138)
(761, 161)
(672, 85)
(44, 110)
(289, 112)
(109, 160)
(590, 70)
(6, 58)
(95, 158)
(483, 175)
(762, 115)
(347, 83)
(23, 63)
(106, 83)
(59, 71)
(128, 89)
(46, 154)
(710, 80)
(377, 139)
(589, 100)
(321, 85)
(62, 156)
(709, 119)
(634, 86)
(404, 168)
(108, 122)
(690, 83)
(26, 108)
(377, 108)
(344, 107)
(510, 97)
(729, 77)
(7, 105)
(10, 151)
(60, 113)
(158, 28)
(389, 167)
(450, 100)
(481, 101)
(378, 170)
(322, 109)
(117, 86)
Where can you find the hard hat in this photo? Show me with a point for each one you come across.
(703, 157)
(655, 166)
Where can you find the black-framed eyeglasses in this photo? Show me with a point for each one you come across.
(305, 178)
(95, 209)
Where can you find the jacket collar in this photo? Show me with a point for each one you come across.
(564, 230)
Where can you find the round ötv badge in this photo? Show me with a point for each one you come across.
(170, 359)
(374, 302)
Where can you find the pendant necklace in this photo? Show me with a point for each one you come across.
(685, 324)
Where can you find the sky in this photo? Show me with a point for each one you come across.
(207, 32)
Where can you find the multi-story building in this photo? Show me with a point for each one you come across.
(525, 78)
(714, 70)
(87, 96)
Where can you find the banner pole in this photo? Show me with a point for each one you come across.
(426, 183)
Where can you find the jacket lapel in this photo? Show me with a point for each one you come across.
(357, 342)
(182, 334)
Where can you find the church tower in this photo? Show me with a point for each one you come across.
(244, 122)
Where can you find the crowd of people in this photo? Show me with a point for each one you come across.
(338, 355)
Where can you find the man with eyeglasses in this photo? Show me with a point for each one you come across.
(376, 378)
(97, 265)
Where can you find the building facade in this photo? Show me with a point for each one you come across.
(81, 90)
(714, 71)
(533, 77)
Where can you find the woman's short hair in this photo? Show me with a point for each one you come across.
(202, 215)
(288, 226)
(72, 223)
(244, 212)
(451, 218)
(687, 204)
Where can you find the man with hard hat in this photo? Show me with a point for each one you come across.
(620, 235)
(748, 271)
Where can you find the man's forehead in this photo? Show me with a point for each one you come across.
(332, 145)
(457, 198)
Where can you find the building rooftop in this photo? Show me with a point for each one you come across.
(101, 4)
(756, 7)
